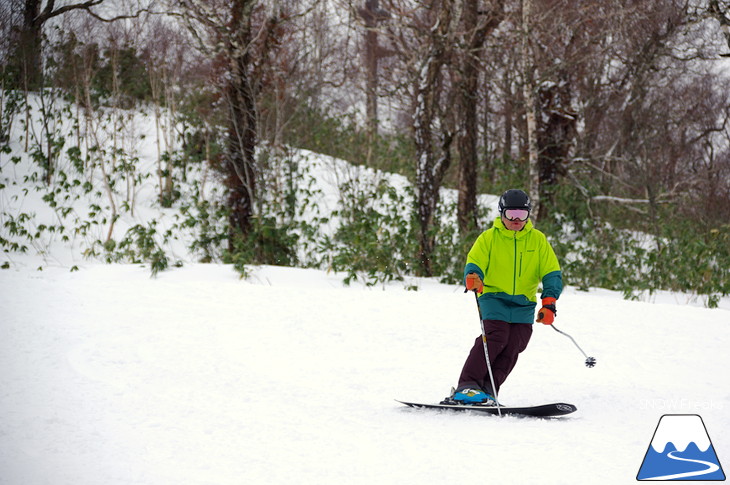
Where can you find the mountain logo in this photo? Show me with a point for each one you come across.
(681, 450)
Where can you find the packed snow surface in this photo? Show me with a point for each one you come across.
(198, 377)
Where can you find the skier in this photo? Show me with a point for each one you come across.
(504, 267)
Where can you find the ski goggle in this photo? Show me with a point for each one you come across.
(516, 214)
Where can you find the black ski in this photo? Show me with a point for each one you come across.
(542, 411)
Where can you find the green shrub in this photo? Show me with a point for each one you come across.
(374, 239)
(681, 259)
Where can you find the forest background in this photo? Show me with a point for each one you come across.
(612, 114)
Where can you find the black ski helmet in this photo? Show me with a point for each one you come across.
(514, 199)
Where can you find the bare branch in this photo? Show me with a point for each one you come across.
(49, 12)
(125, 17)
(619, 200)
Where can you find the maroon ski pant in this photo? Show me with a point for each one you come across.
(505, 341)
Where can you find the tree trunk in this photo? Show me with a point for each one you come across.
(242, 126)
(555, 138)
(467, 122)
(529, 87)
(429, 171)
(371, 89)
(508, 116)
(371, 14)
(28, 53)
(427, 193)
(467, 96)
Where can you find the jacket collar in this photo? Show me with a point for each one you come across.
(499, 225)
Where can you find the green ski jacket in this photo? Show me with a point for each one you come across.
(512, 265)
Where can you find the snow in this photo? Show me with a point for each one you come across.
(197, 376)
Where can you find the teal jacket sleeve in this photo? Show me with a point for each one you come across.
(552, 285)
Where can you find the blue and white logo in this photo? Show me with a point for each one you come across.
(681, 450)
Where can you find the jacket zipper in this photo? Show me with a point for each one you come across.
(514, 274)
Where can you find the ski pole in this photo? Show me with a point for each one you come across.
(590, 361)
(486, 355)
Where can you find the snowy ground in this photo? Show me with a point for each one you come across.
(110, 376)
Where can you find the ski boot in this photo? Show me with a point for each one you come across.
(470, 395)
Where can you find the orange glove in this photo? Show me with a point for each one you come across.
(547, 313)
(474, 282)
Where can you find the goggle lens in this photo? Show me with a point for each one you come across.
(516, 214)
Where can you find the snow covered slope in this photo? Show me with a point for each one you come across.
(108, 376)
(196, 377)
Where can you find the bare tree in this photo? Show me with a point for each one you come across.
(242, 118)
(166, 57)
(650, 105)
(36, 13)
(431, 162)
(529, 89)
(476, 25)
(240, 34)
(10, 12)
(372, 14)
